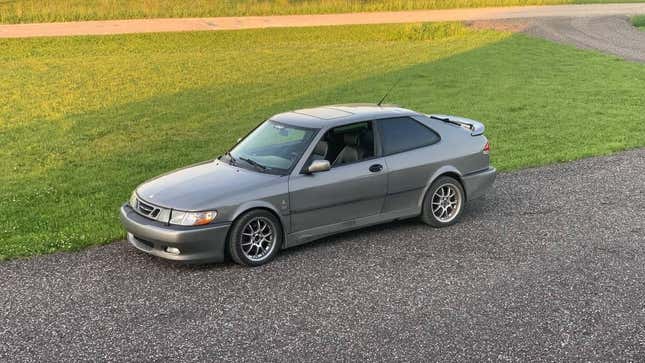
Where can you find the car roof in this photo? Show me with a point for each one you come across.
(337, 115)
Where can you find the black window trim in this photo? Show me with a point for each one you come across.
(381, 134)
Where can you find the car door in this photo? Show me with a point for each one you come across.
(341, 194)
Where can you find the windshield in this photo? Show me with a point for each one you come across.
(272, 147)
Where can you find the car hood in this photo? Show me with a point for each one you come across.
(202, 186)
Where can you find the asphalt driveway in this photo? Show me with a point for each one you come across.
(609, 34)
(551, 265)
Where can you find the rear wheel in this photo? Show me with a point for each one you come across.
(255, 238)
(443, 203)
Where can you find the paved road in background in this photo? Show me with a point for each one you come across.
(249, 22)
(551, 264)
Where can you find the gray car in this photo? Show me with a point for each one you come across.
(310, 173)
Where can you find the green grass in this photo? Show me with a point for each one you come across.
(27, 11)
(639, 21)
(83, 120)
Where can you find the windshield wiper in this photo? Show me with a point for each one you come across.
(230, 158)
(254, 163)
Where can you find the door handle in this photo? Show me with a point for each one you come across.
(376, 168)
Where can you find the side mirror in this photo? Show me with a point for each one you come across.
(317, 166)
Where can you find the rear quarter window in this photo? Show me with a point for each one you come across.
(404, 133)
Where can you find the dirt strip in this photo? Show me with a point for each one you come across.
(104, 27)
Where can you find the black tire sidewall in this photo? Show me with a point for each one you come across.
(427, 216)
(234, 237)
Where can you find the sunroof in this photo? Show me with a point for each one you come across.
(324, 113)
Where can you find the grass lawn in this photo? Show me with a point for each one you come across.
(83, 120)
(639, 21)
(27, 11)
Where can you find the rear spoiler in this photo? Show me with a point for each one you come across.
(476, 128)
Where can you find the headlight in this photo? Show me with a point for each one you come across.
(133, 200)
(192, 218)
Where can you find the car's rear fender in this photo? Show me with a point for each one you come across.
(466, 142)
(444, 170)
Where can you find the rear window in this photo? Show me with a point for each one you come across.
(403, 133)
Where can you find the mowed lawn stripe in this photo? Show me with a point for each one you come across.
(84, 120)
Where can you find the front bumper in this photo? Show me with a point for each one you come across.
(479, 183)
(197, 244)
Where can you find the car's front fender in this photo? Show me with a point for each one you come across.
(278, 205)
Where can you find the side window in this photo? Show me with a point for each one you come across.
(346, 144)
(403, 133)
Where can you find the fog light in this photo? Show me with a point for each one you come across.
(173, 250)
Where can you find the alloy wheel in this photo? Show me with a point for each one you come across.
(258, 239)
(446, 203)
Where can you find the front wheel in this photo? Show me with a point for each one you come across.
(443, 203)
(255, 238)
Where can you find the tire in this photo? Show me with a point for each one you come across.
(248, 241)
(443, 203)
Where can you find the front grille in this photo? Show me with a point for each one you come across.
(151, 211)
(147, 209)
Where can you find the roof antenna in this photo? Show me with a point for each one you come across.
(388, 91)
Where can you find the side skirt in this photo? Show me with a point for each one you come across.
(308, 235)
